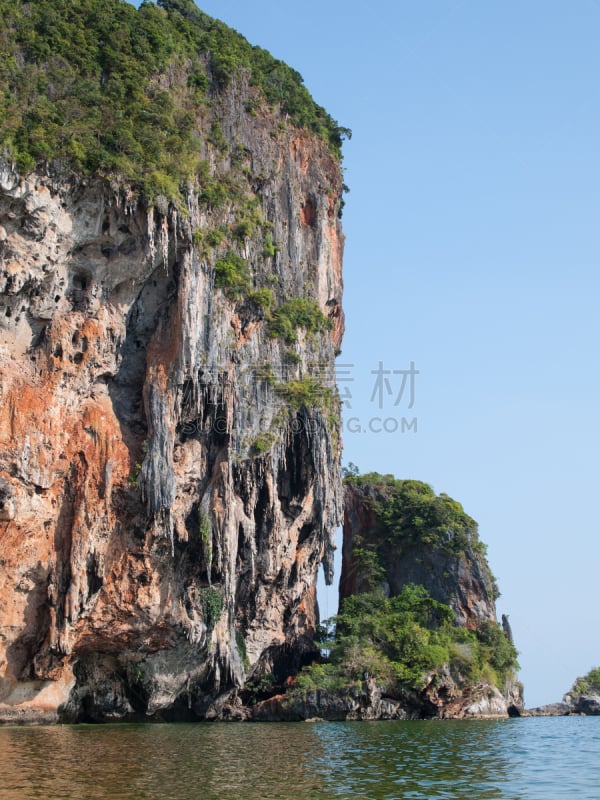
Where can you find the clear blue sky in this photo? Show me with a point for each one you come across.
(473, 250)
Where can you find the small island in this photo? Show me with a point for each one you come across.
(583, 699)
(416, 636)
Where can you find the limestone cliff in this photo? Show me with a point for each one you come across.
(451, 566)
(169, 435)
(398, 533)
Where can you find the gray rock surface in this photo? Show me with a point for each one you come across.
(440, 699)
(572, 704)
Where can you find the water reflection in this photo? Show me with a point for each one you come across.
(416, 760)
(526, 759)
(158, 761)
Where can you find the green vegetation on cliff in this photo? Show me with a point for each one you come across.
(104, 88)
(398, 629)
(299, 312)
(400, 640)
(588, 684)
(413, 513)
(232, 275)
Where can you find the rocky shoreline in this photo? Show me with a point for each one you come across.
(370, 702)
(583, 705)
(365, 702)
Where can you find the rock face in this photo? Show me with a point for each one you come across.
(442, 553)
(573, 704)
(169, 465)
(582, 699)
(364, 702)
(459, 578)
(440, 699)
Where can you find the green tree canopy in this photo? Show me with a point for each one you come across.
(102, 87)
(400, 640)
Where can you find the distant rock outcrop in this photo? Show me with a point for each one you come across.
(583, 699)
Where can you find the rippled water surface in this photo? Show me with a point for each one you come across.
(522, 758)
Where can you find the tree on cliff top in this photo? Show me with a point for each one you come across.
(411, 512)
(104, 88)
(588, 684)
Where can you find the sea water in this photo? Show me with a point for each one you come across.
(514, 758)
